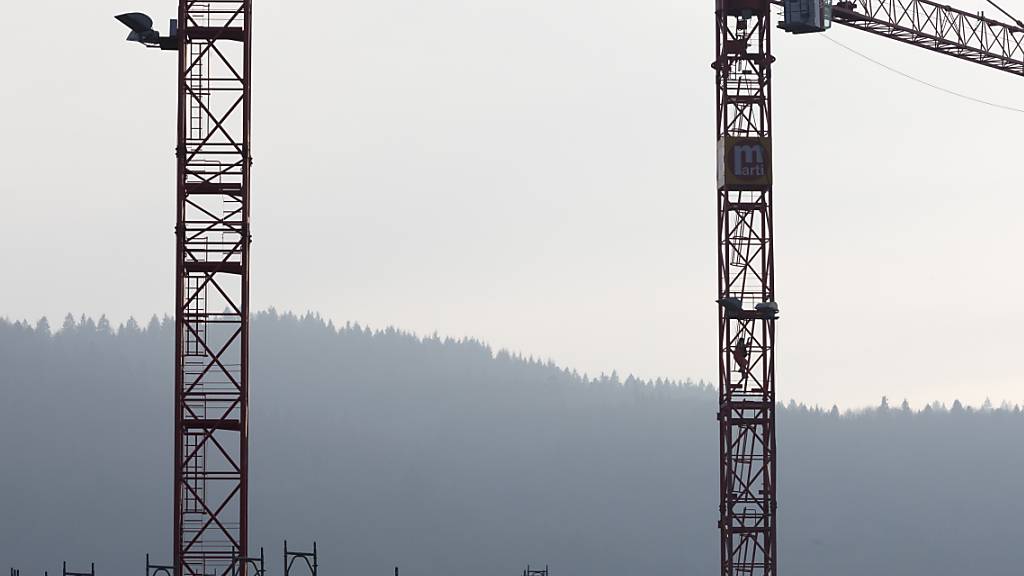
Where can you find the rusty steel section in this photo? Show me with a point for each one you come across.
(746, 289)
(939, 28)
(212, 291)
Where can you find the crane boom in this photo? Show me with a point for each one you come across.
(939, 28)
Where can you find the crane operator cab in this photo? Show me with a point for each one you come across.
(806, 16)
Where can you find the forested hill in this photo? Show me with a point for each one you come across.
(447, 458)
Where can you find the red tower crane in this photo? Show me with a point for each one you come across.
(211, 416)
(746, 264)
(213, 39)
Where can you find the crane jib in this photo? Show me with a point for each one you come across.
(938, 28)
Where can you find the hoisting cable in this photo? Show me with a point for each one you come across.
(923, 82)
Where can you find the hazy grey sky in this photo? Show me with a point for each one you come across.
(539, 174)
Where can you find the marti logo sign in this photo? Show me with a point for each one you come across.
(748, 161)
(744, 162)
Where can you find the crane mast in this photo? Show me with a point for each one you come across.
(211, 468)
(746, 264)
(746, 288)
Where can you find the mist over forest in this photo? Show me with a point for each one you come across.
(447, 457)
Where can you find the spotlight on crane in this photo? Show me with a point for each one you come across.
(142, 31)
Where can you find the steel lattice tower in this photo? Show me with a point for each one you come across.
(746, 287)
(212, 290)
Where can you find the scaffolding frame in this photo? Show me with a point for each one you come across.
(310, 559)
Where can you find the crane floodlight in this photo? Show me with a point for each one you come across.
(142, 31)
(137, 21)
